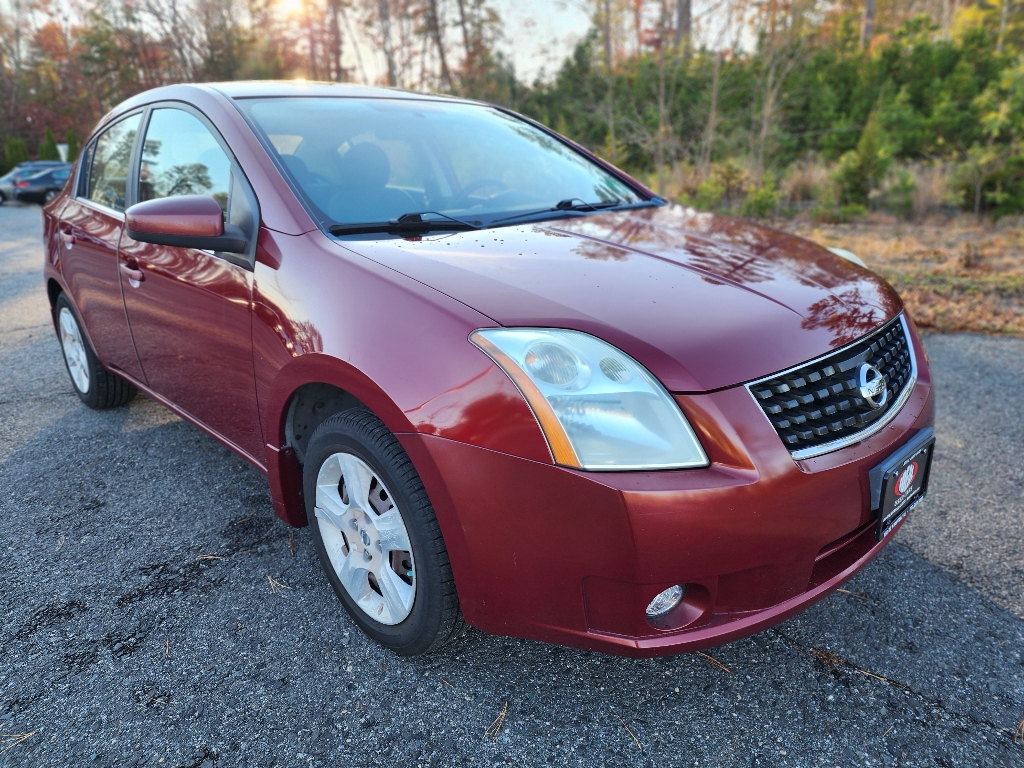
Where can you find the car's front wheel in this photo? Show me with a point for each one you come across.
(95, 385)
(377, 536)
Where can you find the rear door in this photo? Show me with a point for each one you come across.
(189, 310)
(90, 228)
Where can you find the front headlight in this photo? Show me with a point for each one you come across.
(598, 407)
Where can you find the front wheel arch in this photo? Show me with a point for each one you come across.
(53, 291)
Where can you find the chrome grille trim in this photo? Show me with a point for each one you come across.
(874, 427)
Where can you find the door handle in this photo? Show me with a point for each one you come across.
(134, 276)
(67, 238)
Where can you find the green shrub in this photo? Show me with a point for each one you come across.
(14, 152)
(861, 169)
(898, 196)
(74, 144)
(851, 211)
(761, 201)
(833, 214)
(48, 147)
(709, 193)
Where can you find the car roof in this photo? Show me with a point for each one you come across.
(46, 171)
(247, 89)
(39, 164)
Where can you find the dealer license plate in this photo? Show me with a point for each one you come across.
(903, 486)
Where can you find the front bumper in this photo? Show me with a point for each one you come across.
(571, 557)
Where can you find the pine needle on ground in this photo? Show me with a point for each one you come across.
(494, 728)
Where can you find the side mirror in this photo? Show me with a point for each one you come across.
(186, 221)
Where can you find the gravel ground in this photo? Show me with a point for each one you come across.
(139, 625)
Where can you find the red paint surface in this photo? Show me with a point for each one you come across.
(705, 302)
(188, 215)
(90, 276)
(191, 321)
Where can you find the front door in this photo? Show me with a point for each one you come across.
(189, 310)
(90, 228)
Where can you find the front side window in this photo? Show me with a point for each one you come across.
(372, 160)
(181, 157)
(111, 158)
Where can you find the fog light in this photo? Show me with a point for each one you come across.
(665, 601)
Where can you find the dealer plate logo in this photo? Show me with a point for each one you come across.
(906, 479)
(873, 387)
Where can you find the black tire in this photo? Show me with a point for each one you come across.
(104, 389)
(50, 194)
(435, 618)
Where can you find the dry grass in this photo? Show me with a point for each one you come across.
(835, 661)
(714, 661)
(11, 740)
(853, 594)
(276, 587)
(955, 275)
(932, 187)
(804, 182)
(494, 728)
(635, 739)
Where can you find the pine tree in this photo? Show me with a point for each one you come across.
(48, 147)
(15, 152)
(74, 144)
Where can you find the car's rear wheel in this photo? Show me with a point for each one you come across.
(95, 385)
(377, 536)
(50, 194)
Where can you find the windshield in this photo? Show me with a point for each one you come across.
(374, 160)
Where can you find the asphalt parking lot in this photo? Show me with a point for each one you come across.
(140, 625)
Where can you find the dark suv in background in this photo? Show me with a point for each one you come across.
(23, 171)
(43, 186)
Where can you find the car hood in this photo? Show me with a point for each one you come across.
(703, 301)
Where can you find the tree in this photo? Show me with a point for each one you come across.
(781, 27)
(684, 22)
(48, 146)
(15, 151)
(867, 29)
(862, 169)
(980, 162)
(74, 144)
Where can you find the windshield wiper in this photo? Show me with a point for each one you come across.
(407, 223)
(570, 204)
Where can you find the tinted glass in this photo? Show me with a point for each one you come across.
(111, 158)
(371, 160)
(181, 157)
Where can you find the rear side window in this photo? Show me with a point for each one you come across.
(181, 157)
(111, 158)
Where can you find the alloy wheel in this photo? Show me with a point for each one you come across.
(74, 350)
(365, 538)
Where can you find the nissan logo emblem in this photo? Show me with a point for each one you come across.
(872, 386)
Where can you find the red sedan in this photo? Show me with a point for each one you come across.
(503, 382)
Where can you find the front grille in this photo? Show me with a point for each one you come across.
(817, 407)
